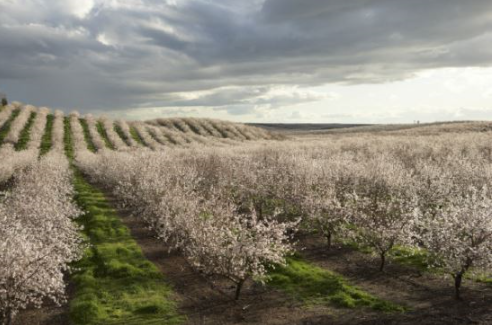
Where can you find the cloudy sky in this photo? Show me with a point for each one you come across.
(372, 61)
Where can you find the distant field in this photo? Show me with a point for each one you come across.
(335, 128)
(304, 127)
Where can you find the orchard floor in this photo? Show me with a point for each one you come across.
(209, 302)
(429, 297)
(50, 314)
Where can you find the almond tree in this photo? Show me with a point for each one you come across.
(113, 137)
(95, 136)
(13, 161)
(459, 236)
(39, 239)
(18, 125)
(80, 145)
(58, 132)
(38, 128)
(222, 241)
(5, 114)
(125, 129)
(383, 207)
(325, 194)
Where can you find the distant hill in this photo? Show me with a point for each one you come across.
(25, 126)
(304, 127)
(334, 128)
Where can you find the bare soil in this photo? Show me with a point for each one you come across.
(430, 297)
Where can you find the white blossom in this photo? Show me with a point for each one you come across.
(39, 239)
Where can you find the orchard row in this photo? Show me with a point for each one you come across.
(233, 212)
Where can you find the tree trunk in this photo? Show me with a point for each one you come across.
(383, 262)
(8, 318)
(458, 277)
(259, 210)
(328, 238)
(239, 286)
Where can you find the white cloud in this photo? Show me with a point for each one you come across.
(79, 8)
(256, 59)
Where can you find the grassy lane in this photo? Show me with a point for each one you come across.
(87, 135)
(314, 285)
(25, 133)
(46, 139)
(136, 136)
(122, 134)
(114, 283)
(4, 130)
(104, 135)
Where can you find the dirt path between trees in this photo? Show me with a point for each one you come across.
(430, 297)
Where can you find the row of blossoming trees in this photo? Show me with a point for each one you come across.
(38, 237)
(232, 212)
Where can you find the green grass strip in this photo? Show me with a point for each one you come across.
(25, 135)
(46, 141)
(136, 136)
(68, 139)
(87, 135)
(4, 130)
(484, 278)
(122, 134)
(416, 258)
(114, 283)
(104, 135)
(317, 286)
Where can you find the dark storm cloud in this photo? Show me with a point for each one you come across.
(106, 54)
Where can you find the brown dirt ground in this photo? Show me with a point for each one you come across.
(430, 297)
(209, 301)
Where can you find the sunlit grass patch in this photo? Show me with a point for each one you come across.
(417, 258)
(121, 133)
(136, 136)
(87, 135)
(25, 134)
(5, 128)
(115, 283)
(315, 285)
(104, 135)
(46, 141)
